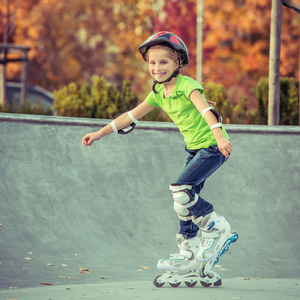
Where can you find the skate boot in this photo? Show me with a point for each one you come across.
(185, 259)
(183, 266)
(215, 240)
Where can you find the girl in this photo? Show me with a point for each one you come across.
(207, 144)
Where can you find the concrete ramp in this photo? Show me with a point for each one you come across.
(73, 215)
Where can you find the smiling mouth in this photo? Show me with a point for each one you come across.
(159, 74)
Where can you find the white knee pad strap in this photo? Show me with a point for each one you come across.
(183, 201)
(180, 187)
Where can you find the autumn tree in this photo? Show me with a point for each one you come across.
(235, 41)
(71, 41)
(74, 40)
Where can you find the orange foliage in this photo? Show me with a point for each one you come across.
(72, 40)
(235, 41)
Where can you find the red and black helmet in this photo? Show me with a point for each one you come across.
(169, 39)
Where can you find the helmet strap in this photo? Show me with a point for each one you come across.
(155, 82)
(175, 73)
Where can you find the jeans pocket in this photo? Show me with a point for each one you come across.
(213, 148)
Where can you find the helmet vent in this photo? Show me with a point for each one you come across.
(174, 40)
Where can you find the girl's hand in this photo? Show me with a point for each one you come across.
(89, 138)
(225, 146)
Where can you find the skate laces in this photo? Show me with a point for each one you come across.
(171, 261)
(177, 256)
(206, 242)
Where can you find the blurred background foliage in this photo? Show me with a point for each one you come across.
(86, 51)
(99, 100)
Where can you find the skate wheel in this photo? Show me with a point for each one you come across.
(190, 284)
(156, 283)
(174, 284)
(236, 236)
(218, 283)
(206, 285)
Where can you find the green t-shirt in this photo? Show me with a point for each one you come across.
(184, 114)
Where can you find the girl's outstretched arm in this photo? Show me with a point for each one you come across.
(121, 122)
(224, 145)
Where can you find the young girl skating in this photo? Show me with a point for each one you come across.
(207, 145)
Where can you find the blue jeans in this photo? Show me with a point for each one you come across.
(199, 166)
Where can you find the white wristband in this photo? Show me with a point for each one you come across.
(215, 126)
(114, 127)
(206, 110)
(132, 118)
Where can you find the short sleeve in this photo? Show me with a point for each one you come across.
(191, 85)
(151, 99)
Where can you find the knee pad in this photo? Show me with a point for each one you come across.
(183, 201)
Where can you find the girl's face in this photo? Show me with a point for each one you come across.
(161, 66)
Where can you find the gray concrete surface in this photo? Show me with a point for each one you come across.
(98, 218)
(232, 288)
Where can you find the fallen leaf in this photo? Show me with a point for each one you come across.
(63, 265)
(30, 253)
(85, 270)
(102, 277)
(46, 283)
(49, 264)
(28, 258)
(144, 267)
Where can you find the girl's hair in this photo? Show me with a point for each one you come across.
(211, 103)
(173, 54)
